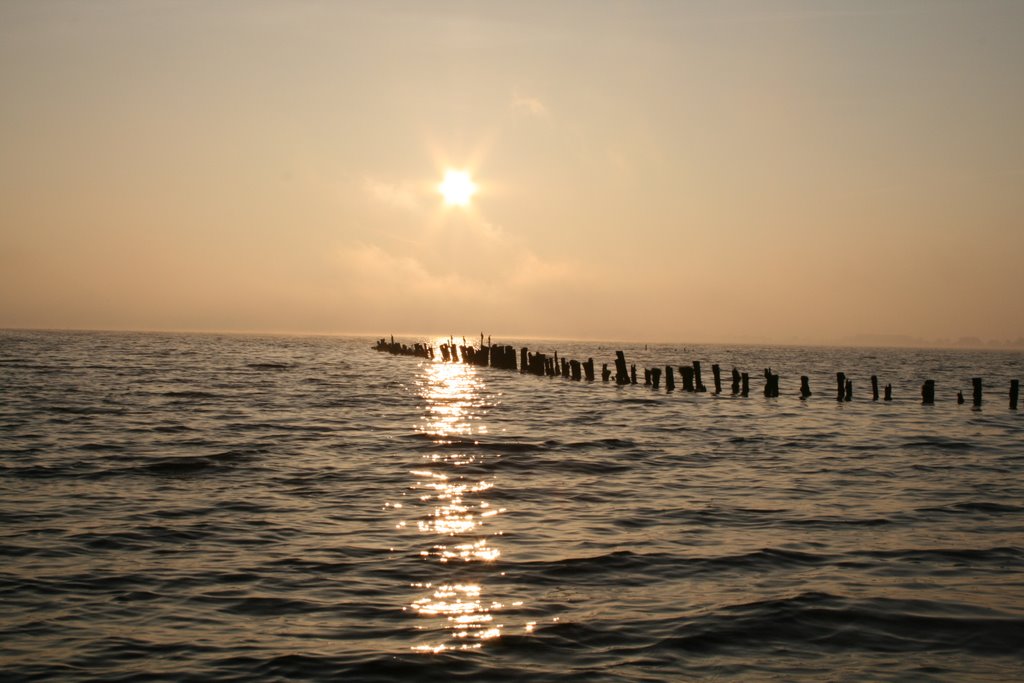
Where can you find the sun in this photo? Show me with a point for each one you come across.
(457, 188)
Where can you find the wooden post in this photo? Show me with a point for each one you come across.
(647, 377)
(745, 391)
(606, 374)
(735, 381)
(1014, 393)
(805, 387)
(874, 387)
(632, 373)
(849, 390)
(928, 392)
(841, 384)
(717, 373)
(524, 357)
(656, 377)
(699, 385)
(976, 381)
(565, 368)
(771, 383)
(621, 371)
(574, 370)
(588, 369)
(888, 392)
(959, 398)
(670, 379)
(686, 373)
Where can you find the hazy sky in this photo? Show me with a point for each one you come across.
(659, 171)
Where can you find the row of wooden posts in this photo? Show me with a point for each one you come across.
(504, 357)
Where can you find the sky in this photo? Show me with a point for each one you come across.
(723, 171)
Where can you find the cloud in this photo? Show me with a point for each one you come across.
(402, 195)
(529, 105)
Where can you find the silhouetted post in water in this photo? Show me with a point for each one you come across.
(670, 379)
(849, 390)
(745, 391)
(524, 358)
(656, 377)
(699, 385)
(574, 369)
(805, 387)
(606, 374)
(771, 383)
(717, 374)
(928, 392)
(976, 381)
(647, 377)
(1014, 393)
(888, 392)
(841, 384)
(735, 381)
(621, 371)
(632, 373)
(959, 398)
(565, 368)
(588, 369)
(686, 372)
(874, 387)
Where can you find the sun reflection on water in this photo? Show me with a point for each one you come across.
(448, 502)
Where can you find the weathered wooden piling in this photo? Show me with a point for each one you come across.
(698, 384)
(575, 370)
(959, 398)
(716, 372)
(588, 369)
(848, 395)
(606, 374)
(805, 387)
(928, 392)
(647, 377)
(565, 368)
(656, 377)
(632, 373)
(771, 383)
(686, 373)
(670, 379)
(524, 359)
(621, 371)
(745, 390)
(1014, 393)
(888, 392)
(976, 381)
(841, 386)
(874, 387)
(735, 381)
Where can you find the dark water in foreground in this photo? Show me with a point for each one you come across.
(250, 508)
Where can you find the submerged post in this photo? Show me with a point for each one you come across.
(849, 390)
(524, 357)
(621, 371)
(670, 379)
(1014, 393)
(841, 386)
(686, 373)
(888, 392)
(928, 392)
(632, 373)
(805, 387)
(959, 398)
(699, 385)
(976, 381)
(588, 369)
(606, 374)
(745, 391)
(716, 372)
(735, 381)
(874, 387)
(656, 377)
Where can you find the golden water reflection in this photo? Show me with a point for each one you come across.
(449, 498)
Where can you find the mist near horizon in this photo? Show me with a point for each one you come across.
(804, 173)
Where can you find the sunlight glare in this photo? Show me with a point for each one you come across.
(457, 188)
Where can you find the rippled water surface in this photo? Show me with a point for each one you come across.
(305, 508)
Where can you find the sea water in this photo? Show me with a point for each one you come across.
(218, 507)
